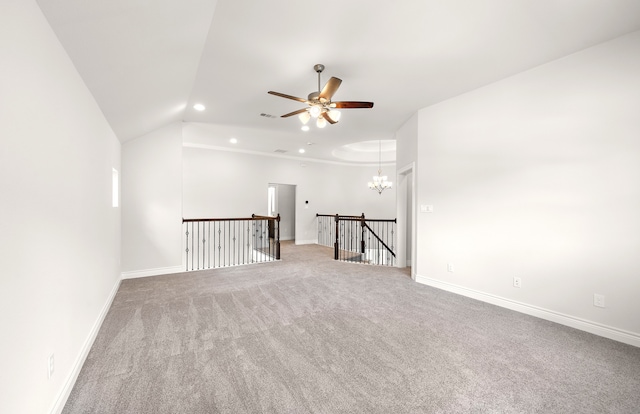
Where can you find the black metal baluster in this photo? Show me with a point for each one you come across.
(265, 240)
(248, 243)
(197, 250)
(204, 244)
(263, 233)
(187, 246)
(380, 231)
(253, 241)
(352, 241)
(192, 237)
(371, 247)
(390, 235)
(219, 244)
(268, 239)
(344, 239)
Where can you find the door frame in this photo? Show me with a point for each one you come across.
(406, 179)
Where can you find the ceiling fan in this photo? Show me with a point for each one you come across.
(320, 104)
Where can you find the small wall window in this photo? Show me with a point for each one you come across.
(271, 196)
(115, 196)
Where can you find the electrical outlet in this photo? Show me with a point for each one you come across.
(450, 267)
(50, 366)
(598, 300)
(517, 282)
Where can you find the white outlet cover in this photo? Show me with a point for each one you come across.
(598, 300)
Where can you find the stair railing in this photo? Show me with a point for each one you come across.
(358, 239)
(221, 242)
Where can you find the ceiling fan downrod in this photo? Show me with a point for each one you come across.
(318, 68)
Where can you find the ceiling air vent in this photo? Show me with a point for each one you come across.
(268, 115)
(279, 151)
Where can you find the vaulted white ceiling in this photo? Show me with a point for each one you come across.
(147, 62)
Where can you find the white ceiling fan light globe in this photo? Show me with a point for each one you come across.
(304, 117)
(321, 122)
(334, 115)
(315, 111)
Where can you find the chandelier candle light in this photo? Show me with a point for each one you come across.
(380, 182)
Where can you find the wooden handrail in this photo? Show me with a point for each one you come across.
(232, 219)
(258, 217)
(343, 217)
(339, 215)
(357, 218)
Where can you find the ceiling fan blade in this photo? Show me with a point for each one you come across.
(299, 111)
(287, 96)
(351, 104)
(326, 116)
(330, 88)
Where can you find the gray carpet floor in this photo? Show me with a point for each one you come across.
(311, 335)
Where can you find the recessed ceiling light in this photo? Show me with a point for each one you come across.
(301, 150)
(233, 141)
(198, 107)
(305, 128)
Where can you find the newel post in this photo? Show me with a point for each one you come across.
(362, 238)
(335, 245)
(278, 237)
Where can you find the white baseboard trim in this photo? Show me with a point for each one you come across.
(567, 320)
(61, 400)
(134, 274)
(314, 241)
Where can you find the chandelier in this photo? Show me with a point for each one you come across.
(380, 182)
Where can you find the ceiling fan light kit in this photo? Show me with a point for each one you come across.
(319, 103)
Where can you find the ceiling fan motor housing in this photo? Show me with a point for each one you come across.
(314, 97)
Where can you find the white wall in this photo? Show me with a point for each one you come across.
(407, 143)
(537, 176)
(152, 203)
(60, 238)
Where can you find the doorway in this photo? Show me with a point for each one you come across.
(281, 199)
